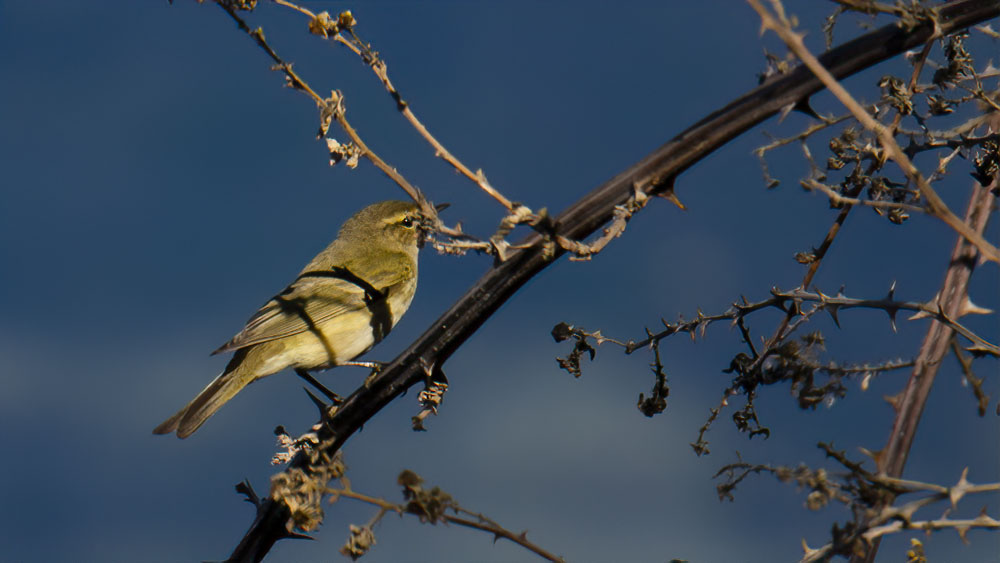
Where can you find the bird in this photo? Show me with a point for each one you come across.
(339, 306)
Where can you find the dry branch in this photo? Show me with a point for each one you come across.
(935, 205)
(652, 176)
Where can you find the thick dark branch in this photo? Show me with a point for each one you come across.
(653, 175)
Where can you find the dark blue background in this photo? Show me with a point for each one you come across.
(158, 184)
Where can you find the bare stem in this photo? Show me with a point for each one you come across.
(332, 107)
(935, 205)
(477, 522)
(837, 199)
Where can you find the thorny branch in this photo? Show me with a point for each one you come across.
(325, 26)
(814, 258)
(838, 200)
(951, 298)
(343, 31)
(787, 360)
(430, 506)
(762, 151)
(781, 25)
(792, 301)
(297, 490)
(863, 491)
(883, 194)
(332, 109)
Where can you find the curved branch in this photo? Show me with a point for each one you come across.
(653, 175)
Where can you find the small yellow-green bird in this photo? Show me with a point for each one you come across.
(341, 304)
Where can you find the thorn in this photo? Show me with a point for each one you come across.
(890, 310)
(962, 531)
(787, 109)
(809, 552)
(934, 303)
(875, 456)
(298, 536)
(669, 195)
(978, 351)
(970, 308)
(317, 401)
(894, 400)
(803, 106)
(832, 309)
(334, 398)
(244, 488)
(956, 493)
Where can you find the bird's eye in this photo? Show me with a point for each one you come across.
(407, 222)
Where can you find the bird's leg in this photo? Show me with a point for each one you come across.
(334, 398)
(376, 367)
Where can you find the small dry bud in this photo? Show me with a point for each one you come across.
(361, 540)
(346, 20)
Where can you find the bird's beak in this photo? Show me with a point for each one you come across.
(442, 206)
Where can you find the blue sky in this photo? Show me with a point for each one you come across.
(158, 184)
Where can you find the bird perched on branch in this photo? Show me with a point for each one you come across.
(342, 303)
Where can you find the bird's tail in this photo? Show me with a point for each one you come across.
(211, 399)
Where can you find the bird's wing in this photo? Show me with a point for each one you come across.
(312, 299)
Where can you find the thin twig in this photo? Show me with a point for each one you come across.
(804, 134)
(833, 304)
(381, 70)
(935, 205)
(322, 22)
(480, 522)
(332, 107)
(838, 200)
(815, 258)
